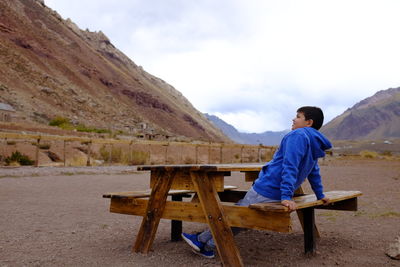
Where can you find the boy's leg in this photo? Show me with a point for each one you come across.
(251, 197)
(207, 238)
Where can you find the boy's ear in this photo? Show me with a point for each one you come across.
(309, 122)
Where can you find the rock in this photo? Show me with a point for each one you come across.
(41, 2)
(47, 90)
(394, 249)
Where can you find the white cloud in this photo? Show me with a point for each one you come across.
(253, 63)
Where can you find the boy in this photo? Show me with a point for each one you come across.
(295, 160)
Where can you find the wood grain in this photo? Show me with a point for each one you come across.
(217, 222)
(308, 201)
(154, 211)
(192, 212)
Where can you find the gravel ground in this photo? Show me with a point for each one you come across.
(57, 217)
(47, 171)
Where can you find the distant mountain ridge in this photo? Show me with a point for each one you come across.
(376, 117)
(267, 138)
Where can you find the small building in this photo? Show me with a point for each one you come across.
(6, 112)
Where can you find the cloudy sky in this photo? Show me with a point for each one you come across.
(254, 62)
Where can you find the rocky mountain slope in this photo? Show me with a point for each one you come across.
(49, 67)
(268, 138)
(376, 117)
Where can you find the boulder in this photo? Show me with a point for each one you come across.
(394, 249)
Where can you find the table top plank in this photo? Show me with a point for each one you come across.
(204, 167)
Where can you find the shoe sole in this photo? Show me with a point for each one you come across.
(204, 256)
(190, 243)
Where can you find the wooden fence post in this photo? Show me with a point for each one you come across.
(64, 153)
(89, 153)
(149, 153)
(220, 154)
(196, 149)
(110, 154)
(37, 152)
(130, 153)
(209, 153)
(166, 153)
(181, 155)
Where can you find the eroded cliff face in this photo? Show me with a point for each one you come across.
(49, 67)
(376, 117)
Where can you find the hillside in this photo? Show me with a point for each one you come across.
(49, 68)
(268, 138)
(376, 117)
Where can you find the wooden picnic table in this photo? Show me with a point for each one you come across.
(214, 204)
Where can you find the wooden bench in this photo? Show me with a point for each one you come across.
(260, 216)
(176, 195)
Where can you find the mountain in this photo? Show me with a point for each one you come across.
(268, 138)
(49, 67)
(376, 117)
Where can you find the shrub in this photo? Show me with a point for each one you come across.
(387, 153)
(368, 154)
(19, 158)
(139, 157)
(188, 160)
(84, 128)
(116, 154)
(58, 121)
(251, 158)
(44, 146)
(11, 143)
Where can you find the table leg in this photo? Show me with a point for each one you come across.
(176, 226)
(155, 209)
(300, 191)
(309, 231)
(216, 220)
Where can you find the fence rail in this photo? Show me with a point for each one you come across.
(115, 151)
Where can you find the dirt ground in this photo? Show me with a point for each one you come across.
(61, 219)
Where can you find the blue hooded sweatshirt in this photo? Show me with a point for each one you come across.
(294, 161)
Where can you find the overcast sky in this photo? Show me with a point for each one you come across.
(254, 62)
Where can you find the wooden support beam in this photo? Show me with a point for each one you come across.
(183, 181)
(155, 209)
(251, 176)
(212, 208)
(347, 204)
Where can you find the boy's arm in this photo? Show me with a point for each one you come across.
(316, 184)
(294, 150)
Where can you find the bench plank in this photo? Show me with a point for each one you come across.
(307, 201)
(146, 193)
(191, 212)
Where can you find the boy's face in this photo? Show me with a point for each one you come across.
(300, 121)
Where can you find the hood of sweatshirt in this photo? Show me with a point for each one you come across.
(319, 143)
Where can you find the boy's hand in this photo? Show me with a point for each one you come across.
(290, 204)
(326, 201)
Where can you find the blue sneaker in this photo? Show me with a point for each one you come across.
(192, 241)
(209, 254)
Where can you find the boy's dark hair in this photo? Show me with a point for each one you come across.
(313, 113)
